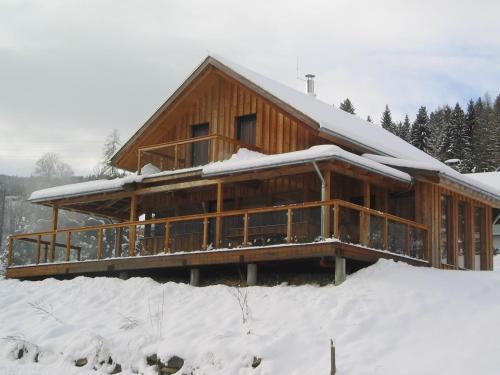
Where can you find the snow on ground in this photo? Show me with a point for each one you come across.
(390, 318)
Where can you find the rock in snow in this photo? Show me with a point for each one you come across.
(389, 318)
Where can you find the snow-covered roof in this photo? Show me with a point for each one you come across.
(352, 128)
(99, 186)
(246, 160)
(472, 180)
(489, 178)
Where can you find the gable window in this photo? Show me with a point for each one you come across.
(246, 129)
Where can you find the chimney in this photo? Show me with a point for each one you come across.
(310, 84)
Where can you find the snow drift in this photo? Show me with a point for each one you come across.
(390, 318)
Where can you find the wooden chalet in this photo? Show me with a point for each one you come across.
(235, 168)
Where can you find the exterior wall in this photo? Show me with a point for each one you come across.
(428, 211)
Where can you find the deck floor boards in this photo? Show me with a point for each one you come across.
(206, 258)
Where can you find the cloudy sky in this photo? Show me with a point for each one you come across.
(70, 71)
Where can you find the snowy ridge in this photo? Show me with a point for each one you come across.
(380, 324)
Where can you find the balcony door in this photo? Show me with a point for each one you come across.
(199, 150)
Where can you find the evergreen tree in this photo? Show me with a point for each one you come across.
(452, 146)
(496, 130)
(369, 119)
(347, 106)
(420, 131)
(467, 165)
(484, 136)
(404, 129)
(386, 120)
(105, 169)
(439, 122)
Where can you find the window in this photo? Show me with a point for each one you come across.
(246, 129)
(199, 150)
(462, 233)
(445, 229)
(478, 236)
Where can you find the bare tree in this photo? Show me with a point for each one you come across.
(50, 166)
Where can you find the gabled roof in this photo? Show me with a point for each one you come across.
(330, 121)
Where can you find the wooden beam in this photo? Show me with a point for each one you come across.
(68, 246)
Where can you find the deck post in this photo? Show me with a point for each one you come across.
(133, 217)
(328, 181)
(37, 254)
(68, 246)
(118, 242)
(218, 220)
(365, 216)
(55, 216)
(340, 274)
(194, 277)
(251, 274)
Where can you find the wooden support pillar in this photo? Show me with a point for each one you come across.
(194, 277)
(133, 217)
(218, 220)
(55, 216)
(118, 242)
(340, 270)
(327, 175)
(489, 238)
(251, 274)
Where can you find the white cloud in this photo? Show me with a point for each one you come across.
(70, 71)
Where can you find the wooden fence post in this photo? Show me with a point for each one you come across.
(133, 217)
(333, 367)
(336, 216)
(245, 229)
(205, 234)
(289, 226)
(55, 215)
(37, 253)
(68, 246)
(166, 242)
(118, 242)
(99, 243)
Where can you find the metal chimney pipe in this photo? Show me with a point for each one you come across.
(310, 84)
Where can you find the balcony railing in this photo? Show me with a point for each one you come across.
(188, 153)
(289, 224)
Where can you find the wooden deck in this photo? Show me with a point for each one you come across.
(210, 257)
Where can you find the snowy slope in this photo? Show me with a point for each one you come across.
(387, 319)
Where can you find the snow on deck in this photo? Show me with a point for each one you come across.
(434, 322)
(246, 160)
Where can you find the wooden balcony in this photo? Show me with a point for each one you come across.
(187, 153)
(266, 233)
